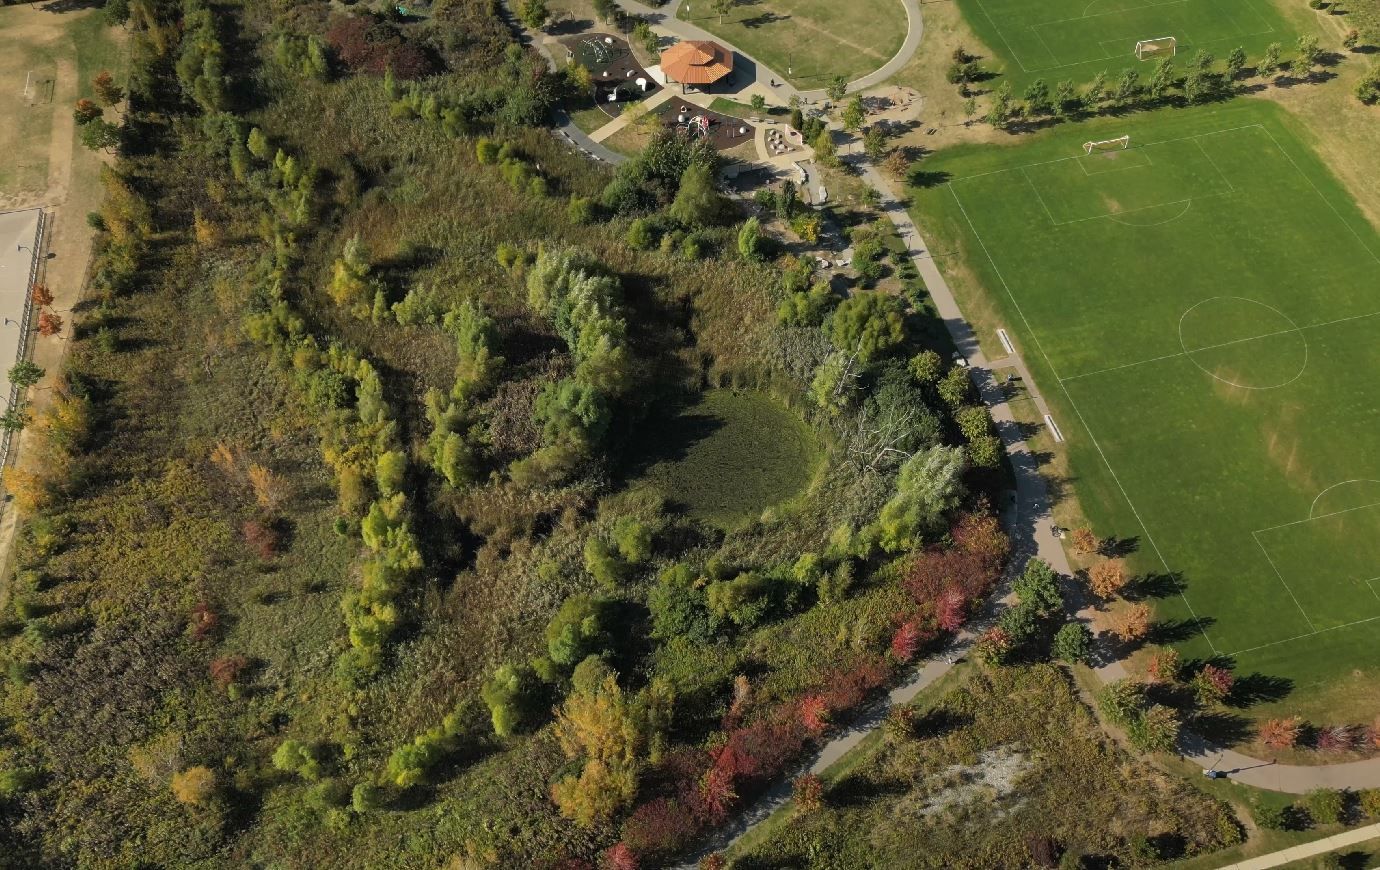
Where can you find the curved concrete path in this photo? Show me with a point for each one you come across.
(665, 21)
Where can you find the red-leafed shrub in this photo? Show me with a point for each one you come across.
(1337, 738)
(951, 610)
(261, 537)
(226, 669)
(934, 572)
(844, 690)
(367, 45)
(659, 827)
(814, 714)
(620, 857)
(764, 748)
(716, 796)
(906, 642)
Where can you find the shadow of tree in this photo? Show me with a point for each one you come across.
(1155, 586)
(1223, 728)
(1258, 688)
(1176, 630)
(1114, 547)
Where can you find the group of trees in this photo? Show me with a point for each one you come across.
(584, 306)
(1198, 81)
(94, 131)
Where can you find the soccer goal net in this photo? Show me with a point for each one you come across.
(1119, 144)
(1148, 49)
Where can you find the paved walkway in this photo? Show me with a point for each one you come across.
(1307, 850)
(664, 21)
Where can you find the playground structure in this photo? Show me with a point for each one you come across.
(723, 132)
(617, 76)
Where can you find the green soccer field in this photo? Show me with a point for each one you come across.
(1201, 312)
(1076, 39)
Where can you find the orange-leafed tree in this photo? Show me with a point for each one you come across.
(1281, 733)
(1084, 541)
(1163, 666)
(86, 111)
(43, 297)
(1107, 578)
(106, 90)
(49, 323)
(1131, 622)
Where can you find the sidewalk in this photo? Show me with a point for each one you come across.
(1308, 850)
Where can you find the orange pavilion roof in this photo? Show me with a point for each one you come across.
(696, 62)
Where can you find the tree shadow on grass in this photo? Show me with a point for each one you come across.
(763, 20)
(1258, 688)
(1223, 728)
(858, 790)
(670, 439)
(1155, 586)
(1172, 631)
(1119, 548)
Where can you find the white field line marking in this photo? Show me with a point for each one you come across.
(1220, 345)
(1040, 36)
(1318, 517)
(1036, 191)
(1083, 162)
(1371, 584)
(1213, 164)
(1002, 34)
(1115, 218)
(1302, 636)
(1093, 438)
(1283, 583)
(1314, 506)
(1113, 215)
(1300, 171)
(1081, 156)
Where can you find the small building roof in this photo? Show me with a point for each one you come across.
(696, 62)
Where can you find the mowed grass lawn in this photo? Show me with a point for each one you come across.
(730, 456)
(815, 39)
(1076, 39)
(1201, 311)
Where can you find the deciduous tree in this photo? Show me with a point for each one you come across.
(106, 90)
(194, 786)
(1131, 622)
(868, 324)
(1107, 578)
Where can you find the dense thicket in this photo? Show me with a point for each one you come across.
(331, 554)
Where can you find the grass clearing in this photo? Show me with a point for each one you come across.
(730, 456)
(1202, 365)
(1076, 39)
(811, 41)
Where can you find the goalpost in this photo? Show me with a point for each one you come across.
(1118, 144)
(1164, 46)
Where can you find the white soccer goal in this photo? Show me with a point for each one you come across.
(1151, 49)
(1120, 144)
